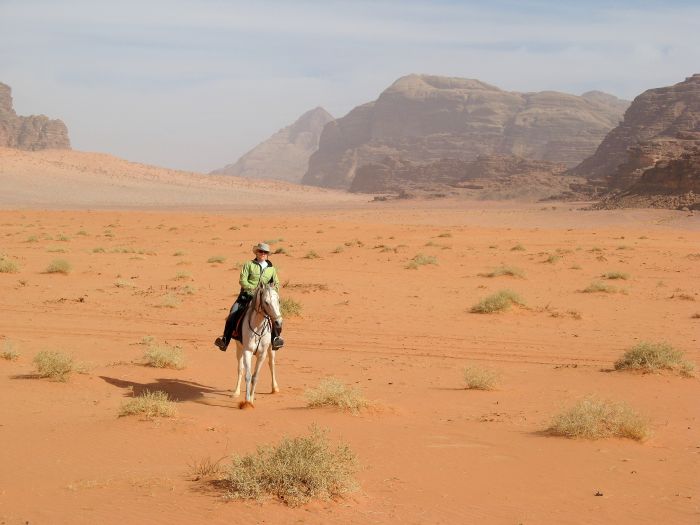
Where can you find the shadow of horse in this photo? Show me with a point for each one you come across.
(177, 389)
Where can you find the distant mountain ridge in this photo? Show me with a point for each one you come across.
(285, 155)
(32, 133)
(424, 119)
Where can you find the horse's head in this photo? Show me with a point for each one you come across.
(269, 302)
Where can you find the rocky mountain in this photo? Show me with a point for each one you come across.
(285, 155)
(423, 119)
(35, 132)
(653, 157)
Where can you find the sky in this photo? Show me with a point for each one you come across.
(194, 84)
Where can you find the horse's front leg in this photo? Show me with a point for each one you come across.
(258, 365)
(248, 362)
(240, 369)
(275, 388)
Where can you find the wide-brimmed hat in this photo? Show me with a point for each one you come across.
(261, 246)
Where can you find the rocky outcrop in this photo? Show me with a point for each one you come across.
(654, 121)
(35, 132)
(424, 119)
(285, 155)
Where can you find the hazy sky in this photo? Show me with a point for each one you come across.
(194, 84)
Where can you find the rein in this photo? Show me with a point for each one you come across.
(256, 308)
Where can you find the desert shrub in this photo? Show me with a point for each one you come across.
(178, 253)
(63, 238)
(295, 471)
(477, 378)
(59, 266)
(311, 255)
(32, 238)
(498, 302)
(216, 259)
(504, 270)
(616, 275)
(8, 266)
(518, 248)
(332, 393)
(56, 249)
(651, 357)
(597, 286)
(164, 356)
(54, 365)
(592, 418)
(273, 241)
(206, 468)
(8, 352)
(123, 283)
(187, 290)
(290, 307)
(280, 251)
(169, 300)
(446, 234)
(82, 233)
(552, 259)
(150, 405)
(181, 276)
(338, 249)
(99, 249)
(421, 260)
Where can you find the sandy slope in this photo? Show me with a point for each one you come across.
(432, 452)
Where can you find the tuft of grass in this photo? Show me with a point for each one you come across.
(206, 468)
(59, 266)
(187, 290)
(311, 255)
(290, 308)
(216, 259)
(597, 286)
(616, 275)
(446, 234)
(518, 248)
(150, 405)
(181, 276)
(63, 238)
(169, 300)
(498, 302)
(56, 249)
(477, 378)
(8, 352)
(333, 393)
(7, 266)
(338, 249)
(651, 357)
(32, 238)
(421, 260)
(82, 233)
(123, 283)
(295, 471)
(164, 356)
(592, 418)
(178, 253)
(54, 365)
(99, 249)
(552, 259)
(504, 270)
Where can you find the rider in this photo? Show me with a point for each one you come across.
(254, 272)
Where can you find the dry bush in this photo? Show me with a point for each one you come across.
(421, 260)
(290, 308)
(497, 302)
(54, 365)
(169, 301)
(206, 468)
(652, 357)
(552, 259)
(99, 249)
(164, 356)
(59, 266)
(311, 255)
(597, 286)
(338, 249)
(123, 283)
(616, 275)
(7, 266)
(295, 471)
(149, 404)
(504, 270)
(280, 251)
(332, 393)
(518, 248)
(216, 259)
(8, 352)
(182, 276)
(56, 249)
(477, 378)
(592, 418)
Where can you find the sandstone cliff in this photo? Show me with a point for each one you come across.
(423, 119)
(35, 132)
(285, 155)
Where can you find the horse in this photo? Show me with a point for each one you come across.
(256, 326)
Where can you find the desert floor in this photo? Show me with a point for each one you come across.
(430, 451)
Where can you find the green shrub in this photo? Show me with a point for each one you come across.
(332, 393)
(54, 365)
(59, 266)
(498, 302)
(295, 471)
(150, 405)
(477, 378)
(165, 356)
(651, 357)
(594, 419)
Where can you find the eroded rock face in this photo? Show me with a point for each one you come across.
(424, 119)
(652, 130)
(29, 133)
(285, 155)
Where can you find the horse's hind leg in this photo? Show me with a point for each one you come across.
(240, 369)
(275, 388)
(258, 365)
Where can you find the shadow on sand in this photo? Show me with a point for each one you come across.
(176, 389)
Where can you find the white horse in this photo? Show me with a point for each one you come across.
(263, 310)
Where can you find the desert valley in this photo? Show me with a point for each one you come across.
(465, 263)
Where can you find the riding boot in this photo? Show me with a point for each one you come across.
(277, 341)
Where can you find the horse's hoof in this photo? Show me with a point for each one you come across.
(245, 405)
(275, 390)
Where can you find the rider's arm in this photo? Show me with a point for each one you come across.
(245, 284)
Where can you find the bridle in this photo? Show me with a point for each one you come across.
(259, 307)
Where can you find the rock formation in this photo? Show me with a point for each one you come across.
(424, 119)
(29, 133)
(285, 155)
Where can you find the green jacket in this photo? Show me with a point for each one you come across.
(250, 276)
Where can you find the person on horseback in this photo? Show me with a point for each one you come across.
(254, 272)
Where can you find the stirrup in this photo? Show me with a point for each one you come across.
(221, 344)
(277, 343)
